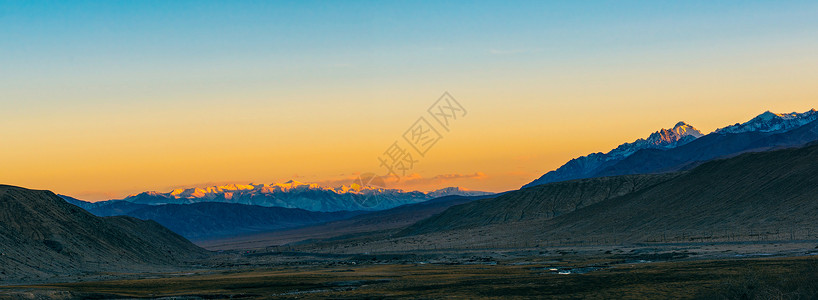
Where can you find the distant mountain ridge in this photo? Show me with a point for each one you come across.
(214, 219)
(294, 194)
(764, 132)
(105, 208)
(205, 220)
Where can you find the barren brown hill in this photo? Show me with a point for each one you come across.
(43, 237)
(540, 202)
(766, 195)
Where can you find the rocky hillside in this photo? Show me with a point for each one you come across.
(43, 237)
(755, 193)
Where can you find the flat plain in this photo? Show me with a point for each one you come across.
(695, 270)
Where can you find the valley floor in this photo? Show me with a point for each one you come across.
(694, 270)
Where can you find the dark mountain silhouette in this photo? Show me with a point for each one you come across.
(215, 219)
(105, 208)
(42, 236)
(116, 208)
(82, 204)
(369, 222)
(207, 220)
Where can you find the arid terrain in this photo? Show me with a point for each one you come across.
(694, 270)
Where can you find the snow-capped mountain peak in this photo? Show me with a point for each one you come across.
(772, 122)
(683, 129)
(680, 134)
(666, 137)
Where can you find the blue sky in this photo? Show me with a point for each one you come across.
(128, 38)
(104, 88)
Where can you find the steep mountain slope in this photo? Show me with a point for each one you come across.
(537, 203)
(754, 195)
(82, 204)
(588, 166)
(293, 194)
(105, 208)
(369, 222)
(213, 219)
(43, 236)
(116, 208)
(755, 192)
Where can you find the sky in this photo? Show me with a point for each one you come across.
(102, 99)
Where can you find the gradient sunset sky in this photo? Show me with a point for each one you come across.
(102, 99)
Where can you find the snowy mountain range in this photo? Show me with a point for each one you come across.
(585, 166)
(294, 194)
(674, 149)
(772, 122)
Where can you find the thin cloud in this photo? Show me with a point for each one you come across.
(93, 196)
(512, 51)
(416, 180)
(410, 181)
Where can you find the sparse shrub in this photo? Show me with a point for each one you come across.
(770, 282)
